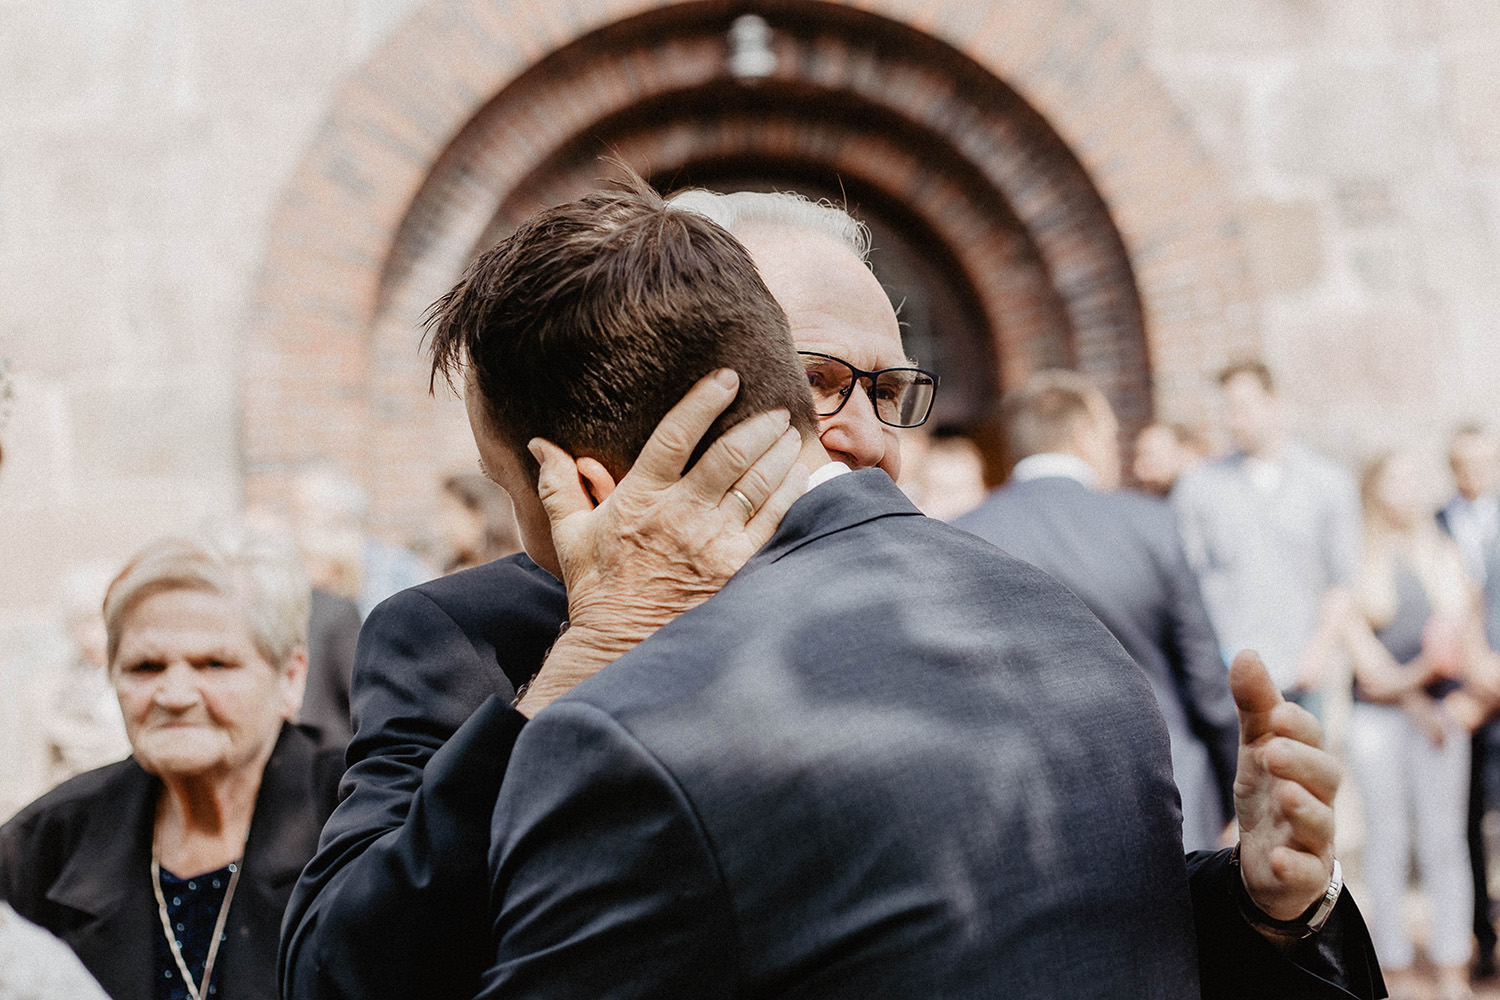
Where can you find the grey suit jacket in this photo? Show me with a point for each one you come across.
(885, 761)
(1121, 553)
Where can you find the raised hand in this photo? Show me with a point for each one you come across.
(638, 553)
(1283, 794)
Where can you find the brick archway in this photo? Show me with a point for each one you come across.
(1027, 147)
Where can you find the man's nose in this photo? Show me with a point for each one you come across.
(853, 435)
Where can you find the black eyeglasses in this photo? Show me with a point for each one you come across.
(901, 397)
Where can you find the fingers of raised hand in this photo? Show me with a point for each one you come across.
(559, 485)
(1303, 766)
(793, 484)
(734, 461)
(766, 475)
(1287, 856)
(1296, 723)
(1254, 694)
(673, 441)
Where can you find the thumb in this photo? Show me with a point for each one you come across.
(558, 483)
(1255, 696)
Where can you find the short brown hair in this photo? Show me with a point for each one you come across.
(1255, 369)
(595, 317)
(1041, 414)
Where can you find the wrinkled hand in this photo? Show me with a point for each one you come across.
(659, 542)
(1283, 794)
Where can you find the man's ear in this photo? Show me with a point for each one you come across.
(596, 479)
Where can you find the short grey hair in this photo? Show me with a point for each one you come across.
(745, 210)
(260, 571)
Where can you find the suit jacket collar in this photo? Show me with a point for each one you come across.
(839, 504)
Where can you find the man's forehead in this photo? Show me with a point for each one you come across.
(833, 301)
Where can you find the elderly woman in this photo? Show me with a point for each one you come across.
(168, 872)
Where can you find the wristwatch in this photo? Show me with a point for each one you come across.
(1311, 920)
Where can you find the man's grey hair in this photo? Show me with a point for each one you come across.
(744, 210)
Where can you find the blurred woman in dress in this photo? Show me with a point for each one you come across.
(1422, 682)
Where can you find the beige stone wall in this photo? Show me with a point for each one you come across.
(145, 145)
(1362, 141)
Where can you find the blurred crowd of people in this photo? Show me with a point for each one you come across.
(1374, 600)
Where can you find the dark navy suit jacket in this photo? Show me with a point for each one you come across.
(388, 908)
(394, 902)
(1122, 554)
(884, 760)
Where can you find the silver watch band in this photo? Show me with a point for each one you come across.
(1307, 924)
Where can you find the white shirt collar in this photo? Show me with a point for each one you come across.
(824, 473)
(1055, 463)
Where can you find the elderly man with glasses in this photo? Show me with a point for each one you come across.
(397, 903)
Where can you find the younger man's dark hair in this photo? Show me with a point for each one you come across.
(595, 317)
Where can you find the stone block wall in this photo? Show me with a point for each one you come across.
(1360, 141)
(147, 145)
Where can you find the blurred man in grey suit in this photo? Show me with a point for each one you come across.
(1121, 553)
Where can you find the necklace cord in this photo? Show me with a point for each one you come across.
(196, 992)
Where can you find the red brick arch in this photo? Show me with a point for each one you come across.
(1028, 145)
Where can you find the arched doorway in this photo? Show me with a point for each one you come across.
(1036, 199)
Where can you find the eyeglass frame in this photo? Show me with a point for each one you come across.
(873, 377)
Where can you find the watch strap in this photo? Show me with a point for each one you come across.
(1307, 924)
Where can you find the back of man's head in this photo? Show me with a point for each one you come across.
(595, 317)
(1047, 412)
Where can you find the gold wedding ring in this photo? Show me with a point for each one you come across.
(749, 507)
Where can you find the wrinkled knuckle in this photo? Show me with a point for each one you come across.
(673, 437)
(735, 454)
(754, 482)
